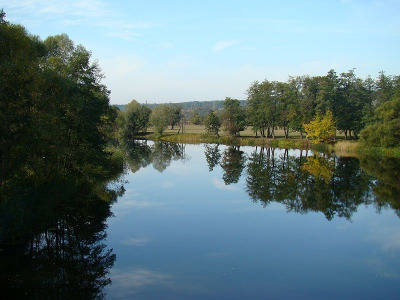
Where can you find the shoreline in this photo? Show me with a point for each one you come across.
(340, 147)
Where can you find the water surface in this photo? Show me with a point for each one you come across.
(219, 222)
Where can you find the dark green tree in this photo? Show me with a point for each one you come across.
(233, 117)
(160, 118)
(212, 124)
(195, 117)
(385, 130)
(135, 118)
(174, 112)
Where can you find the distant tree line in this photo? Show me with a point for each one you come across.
(315, 107)
(318, 106)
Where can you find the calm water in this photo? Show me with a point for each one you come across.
(208, 222)
(218, 222)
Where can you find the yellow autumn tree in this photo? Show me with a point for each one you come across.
(322, 129)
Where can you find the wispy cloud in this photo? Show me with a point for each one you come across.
(168, 184)
(87, 8)
(138, 242)
(93, 13)
(140, 204)
(224, 44)
(222, 186)
(127, 282)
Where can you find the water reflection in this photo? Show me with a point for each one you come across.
(386, 185)
(139, 154)
(317, 182)
(233, 162)
(302, 181)
(52, 241)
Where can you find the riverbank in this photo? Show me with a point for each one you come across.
(340, 147)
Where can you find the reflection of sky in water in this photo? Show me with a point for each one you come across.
(184, 234)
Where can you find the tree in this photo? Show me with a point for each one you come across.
(160, 118)
(233, 117)
(212, 123)
(256, 114)
(54, 110)
(322, 129)
(384, 88)
(385, 131)
(135, 119)
(195, 117)
(174, 112)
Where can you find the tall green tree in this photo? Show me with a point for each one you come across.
(160, 119)
(174, 112)
(53, 110)
(385, 131)
(212, 124)
(233, 117)
(135, 119)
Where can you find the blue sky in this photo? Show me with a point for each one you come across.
(173, 51)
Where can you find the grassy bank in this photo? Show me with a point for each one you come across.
(195, 134)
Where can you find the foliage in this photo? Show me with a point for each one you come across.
(134, 119)
(322, 129)
(174, 113)
(54, 110)
(233, 117)
(195, 117)
(385, 131)
(160, 118)
(212, 124)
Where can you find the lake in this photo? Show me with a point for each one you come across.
(219, 222)
(209, 222)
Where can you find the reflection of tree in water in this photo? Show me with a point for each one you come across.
(232, 162)
(52, 242)
(139, 154)
(163, 153)
(213, 155)
(332, 185)
(386, 187)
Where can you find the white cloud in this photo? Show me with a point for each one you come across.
(127, 282)
(140, 204)
(168, 185)
(224, 44)
(222, 186)
(93, 13)
(138, 242)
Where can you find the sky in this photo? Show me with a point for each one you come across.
(177, 51)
